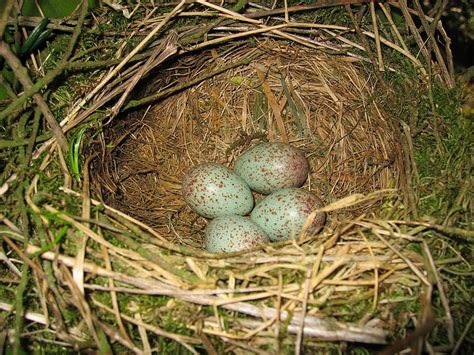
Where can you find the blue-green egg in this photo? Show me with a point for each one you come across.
(233, 233)
(268, 167)
(213, 190)
(283, 213)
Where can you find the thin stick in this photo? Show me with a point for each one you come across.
(434, 44)
(51, 75)
(465, 234)
(442, 294)
(414, 31)
(463, 336)
(377, 36)
(234, 36)
(117, 69)
(162, 54)
(314, 326)
(22, 75)
(287, 17)
(299, 337)
(272, 101)
(233, 14)
(317, 5)
(113, 293)
(405, 259)
(393, 26)
(183, 340)
(364, 41)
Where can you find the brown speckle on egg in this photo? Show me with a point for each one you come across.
(233, 233)
(213, 190)
(283, 213)
(268, 167)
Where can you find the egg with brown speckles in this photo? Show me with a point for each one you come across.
(213, 190)
(268, 167)
(233, 233)
(283, 213)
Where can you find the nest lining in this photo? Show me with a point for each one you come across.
(320, 103)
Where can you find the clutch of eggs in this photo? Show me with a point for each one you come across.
(213, 190)
(268, 167)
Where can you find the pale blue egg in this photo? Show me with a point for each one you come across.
(268, 167)
(283, 213)
(213, 190)
(233, 233)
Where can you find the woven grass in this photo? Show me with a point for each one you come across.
(115, 256)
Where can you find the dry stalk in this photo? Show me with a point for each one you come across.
(117, 69)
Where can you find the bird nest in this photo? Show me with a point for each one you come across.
(204, 84)
(322, 104)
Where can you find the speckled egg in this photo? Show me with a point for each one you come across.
(283, 213)
(213, 190)
(268, 167)
(233, 233)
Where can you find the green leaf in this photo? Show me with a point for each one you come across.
(236, 80)
(51, 245)
(34, 35)
(74, 153)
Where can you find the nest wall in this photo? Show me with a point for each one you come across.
(325, 105)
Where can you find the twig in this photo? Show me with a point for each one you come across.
(23, 141)
(317, 5)
(22, 75)
(113, 293)
(364, 41)
(234, 15)
(164, 267)
(314, 326)
(168, 92)
(51, 75)
(80, 303)
(159, 56)
(394, 27)
(414, 31)
(439, 57)
(234, 36)
(299, 337)
(442, 294)
(463, 336)
(116, 70)
(377, 36)
(467, 235)
(112, 333)
(7, 8)
(160, 332)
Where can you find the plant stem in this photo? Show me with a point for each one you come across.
(51, 75)
(21, 74)
(165, 93)
(6, 9)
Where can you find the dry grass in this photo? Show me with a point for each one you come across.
(121, 250)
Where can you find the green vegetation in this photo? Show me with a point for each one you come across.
(441, 132)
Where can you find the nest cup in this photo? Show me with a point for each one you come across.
(319, 103)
